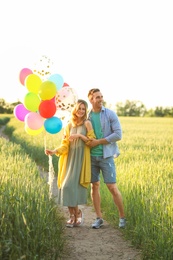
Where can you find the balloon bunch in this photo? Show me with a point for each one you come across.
(47, 104)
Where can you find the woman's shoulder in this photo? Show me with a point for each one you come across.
(87, 122)
(88, 125)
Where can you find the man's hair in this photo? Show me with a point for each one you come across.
(92, 91)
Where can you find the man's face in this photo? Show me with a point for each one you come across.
(97, 99)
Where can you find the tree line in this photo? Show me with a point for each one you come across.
(128, 108)
(137, 108)
(7, 108)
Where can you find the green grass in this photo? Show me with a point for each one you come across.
(31, 225)
(34, 146)
(144, 177)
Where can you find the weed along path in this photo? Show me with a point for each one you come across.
(87, 243)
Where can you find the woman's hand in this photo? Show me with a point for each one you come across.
(50, 152)
(73, 137)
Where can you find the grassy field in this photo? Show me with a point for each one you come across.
(31, 225)
(144, 177)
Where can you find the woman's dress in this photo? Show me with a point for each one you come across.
(72, 193)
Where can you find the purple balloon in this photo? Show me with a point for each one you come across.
(20, 112)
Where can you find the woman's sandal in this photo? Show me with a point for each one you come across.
(71, 221)
(79, 221)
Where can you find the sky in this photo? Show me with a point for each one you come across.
(124, 48)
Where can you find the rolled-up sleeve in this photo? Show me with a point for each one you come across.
(112, 130)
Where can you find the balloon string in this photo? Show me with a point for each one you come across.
(45, 141)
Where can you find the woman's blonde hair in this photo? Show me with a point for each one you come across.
(74, 117)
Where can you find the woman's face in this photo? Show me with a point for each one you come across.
(81, 111)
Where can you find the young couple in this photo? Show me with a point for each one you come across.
(88, 148)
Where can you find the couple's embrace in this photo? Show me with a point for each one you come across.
(87, 150)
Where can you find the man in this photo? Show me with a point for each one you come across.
(108, 131)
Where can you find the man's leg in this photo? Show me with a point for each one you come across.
(95, 196)
(117, 198)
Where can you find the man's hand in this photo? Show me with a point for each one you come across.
(93, 142)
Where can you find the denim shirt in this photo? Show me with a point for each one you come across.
(112, 131)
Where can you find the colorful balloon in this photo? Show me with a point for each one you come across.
(53, 125)
(47, 108)
(58, 80)
(47, 90)
(33, 132)
(62, 94)
(32, 101)
(64, 115)
(23, 74)
(20, 112)
(33, 83)
(65, 85)
(34, 120)
(66, 98)
(42, 67)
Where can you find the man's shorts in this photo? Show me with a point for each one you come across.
(104, 165)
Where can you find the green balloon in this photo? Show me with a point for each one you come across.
(32, 101)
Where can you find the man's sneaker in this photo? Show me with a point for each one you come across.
(122, 223)
(98, 223)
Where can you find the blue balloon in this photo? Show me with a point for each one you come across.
(53, 125)
(58, 80)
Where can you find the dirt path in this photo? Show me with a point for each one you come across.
(102, 244)
(92, 244)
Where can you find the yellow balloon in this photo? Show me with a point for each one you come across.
(47, 90)
(33, 132)
(33, 83)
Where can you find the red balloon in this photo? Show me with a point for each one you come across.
(65, 85)
(47, 108)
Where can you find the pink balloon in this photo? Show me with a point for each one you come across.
(34, 121)
(23, 74)
(20, 112)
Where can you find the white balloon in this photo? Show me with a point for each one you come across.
(66, 98)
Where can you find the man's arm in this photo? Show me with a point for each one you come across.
(95, 142)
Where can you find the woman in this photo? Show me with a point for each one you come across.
(74, 173)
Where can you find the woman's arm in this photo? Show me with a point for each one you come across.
(64, 147)
(89, 127)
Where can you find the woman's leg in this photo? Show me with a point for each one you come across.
(78, 216)
(71, 221)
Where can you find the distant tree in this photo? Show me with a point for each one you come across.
(168, 111)
(7, 108)
(150, 113)
(159, 112)
(131, 108)
(2, 104)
